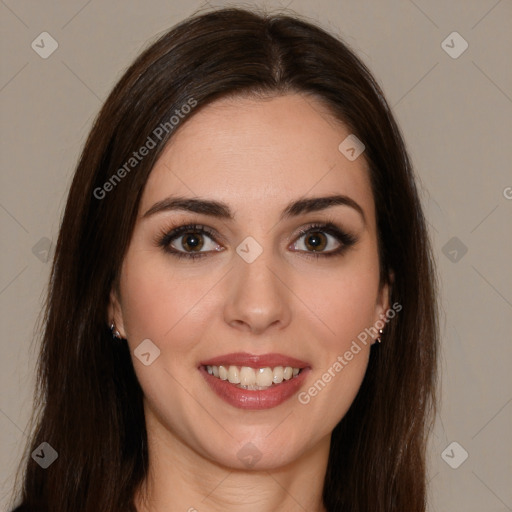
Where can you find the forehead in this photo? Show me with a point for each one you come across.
(260, 153)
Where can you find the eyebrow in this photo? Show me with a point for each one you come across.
(222, 210)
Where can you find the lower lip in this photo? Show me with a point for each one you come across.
(255, 399)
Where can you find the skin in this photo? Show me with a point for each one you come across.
(257, 156)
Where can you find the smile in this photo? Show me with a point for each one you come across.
(254, 382)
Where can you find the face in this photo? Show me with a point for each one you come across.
(275, 294)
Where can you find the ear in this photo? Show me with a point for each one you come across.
(115, 312)
(382, 304)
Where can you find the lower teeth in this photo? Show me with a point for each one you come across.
(252, 388)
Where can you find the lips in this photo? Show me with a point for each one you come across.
(254, 397)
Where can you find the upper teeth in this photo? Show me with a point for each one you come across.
(258, 377)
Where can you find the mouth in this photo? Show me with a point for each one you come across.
(254, 382)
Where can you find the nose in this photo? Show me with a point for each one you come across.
(258, 298)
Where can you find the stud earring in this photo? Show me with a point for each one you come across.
(115, 333)
(379, 339)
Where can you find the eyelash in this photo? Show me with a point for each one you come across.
(165, 237)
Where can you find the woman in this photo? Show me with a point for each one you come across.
(241, 312)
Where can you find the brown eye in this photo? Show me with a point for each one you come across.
(315, 241)
(192, 241)
(189, 241)
(323, 240)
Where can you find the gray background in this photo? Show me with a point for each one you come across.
(455, 114)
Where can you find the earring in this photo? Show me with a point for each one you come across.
(115, 333)
(379, 339)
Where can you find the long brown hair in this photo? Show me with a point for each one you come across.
(89, 402)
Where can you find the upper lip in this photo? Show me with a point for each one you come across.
(255, 361)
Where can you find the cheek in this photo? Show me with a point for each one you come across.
(170, 307)
(159, 302)
(346, 307)
(345, 303)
